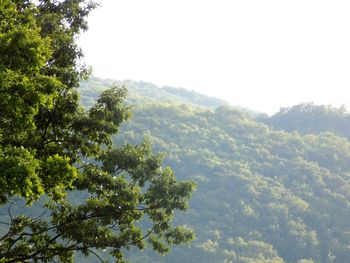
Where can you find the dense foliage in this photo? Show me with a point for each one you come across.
(51, 146)
(263, 195)
(68, 184)
(145, 92)
(310, 118)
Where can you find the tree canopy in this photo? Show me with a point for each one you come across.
(263, 194)
(51, 146)
(310, 118)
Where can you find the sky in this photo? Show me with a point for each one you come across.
(259, 54)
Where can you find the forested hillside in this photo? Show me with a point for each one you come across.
(263, 194)
(190, 178)
(144, 92)
(310, 118)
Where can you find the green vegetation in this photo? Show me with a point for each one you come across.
(263, 195)
(310, 118)
(50, 146)
(81, 180)
(143, 92)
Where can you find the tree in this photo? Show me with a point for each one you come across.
(50, 146)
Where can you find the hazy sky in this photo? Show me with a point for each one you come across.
(259, 54)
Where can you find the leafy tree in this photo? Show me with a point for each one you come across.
(50, 145)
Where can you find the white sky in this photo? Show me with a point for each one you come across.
(260, 54)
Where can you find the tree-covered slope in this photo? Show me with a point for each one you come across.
(144, 92)
(263, 195)
(310, 118)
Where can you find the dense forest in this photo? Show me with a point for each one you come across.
(269, 189)
(189, 178)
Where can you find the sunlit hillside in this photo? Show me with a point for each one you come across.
(263, 194)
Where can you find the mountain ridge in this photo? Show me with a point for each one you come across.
(149, 92)
(263, 194)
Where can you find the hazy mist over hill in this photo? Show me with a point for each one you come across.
(269, 189)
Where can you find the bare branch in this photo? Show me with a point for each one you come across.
(93, 252)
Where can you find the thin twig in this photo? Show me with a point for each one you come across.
(93, 252)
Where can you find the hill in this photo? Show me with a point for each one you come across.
(144, 92)
(266, 192)
(309, 118)
(263, 195)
